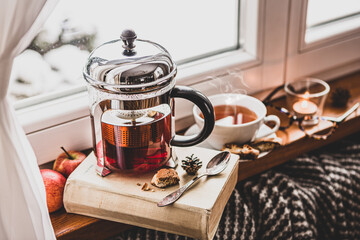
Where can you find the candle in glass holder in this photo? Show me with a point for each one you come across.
(306, 98)
(305, 107)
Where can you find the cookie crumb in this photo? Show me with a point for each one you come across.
(145, 187)
(138, 184)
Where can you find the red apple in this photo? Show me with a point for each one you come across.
(54, 187)
(67, 161)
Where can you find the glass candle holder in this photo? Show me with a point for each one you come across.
(306, 98)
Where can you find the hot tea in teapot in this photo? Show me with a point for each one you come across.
(131, 85)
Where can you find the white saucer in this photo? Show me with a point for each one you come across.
(195, 129)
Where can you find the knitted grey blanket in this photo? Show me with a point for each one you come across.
(315, 196)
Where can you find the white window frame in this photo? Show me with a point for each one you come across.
(327, 58)
(265, 60)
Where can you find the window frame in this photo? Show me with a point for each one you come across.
(332, 36)
(265, 61)
(335, 54)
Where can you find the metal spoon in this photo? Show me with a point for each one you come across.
(342, 117)
(216, 165)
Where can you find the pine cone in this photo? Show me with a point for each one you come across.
(191, 164)
(340, 97)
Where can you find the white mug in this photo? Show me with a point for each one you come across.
(238, 133)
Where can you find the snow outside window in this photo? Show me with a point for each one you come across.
(53, 62)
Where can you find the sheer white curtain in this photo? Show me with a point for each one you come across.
(23, 210)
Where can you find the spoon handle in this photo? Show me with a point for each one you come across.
(172, 197)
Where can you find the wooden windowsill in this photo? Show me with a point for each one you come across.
(73, 226)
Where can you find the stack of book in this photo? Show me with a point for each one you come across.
(119, 197)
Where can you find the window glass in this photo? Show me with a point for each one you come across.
(326, 18)
(187, 29)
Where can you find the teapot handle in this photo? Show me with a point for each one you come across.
(205, 107)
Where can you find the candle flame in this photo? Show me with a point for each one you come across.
(306, 95)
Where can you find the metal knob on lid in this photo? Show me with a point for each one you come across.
(128, 36)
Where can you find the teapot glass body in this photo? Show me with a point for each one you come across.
(132, 93)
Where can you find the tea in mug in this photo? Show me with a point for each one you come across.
(233, 114)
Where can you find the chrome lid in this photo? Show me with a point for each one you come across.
(129, 65)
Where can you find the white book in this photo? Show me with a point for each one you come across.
(117, 197)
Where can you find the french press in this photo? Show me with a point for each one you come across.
(131, 85)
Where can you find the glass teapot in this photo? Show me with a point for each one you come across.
(131, 85)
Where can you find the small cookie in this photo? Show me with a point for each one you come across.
(266, 144)
(165, 177)
(245, 151)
